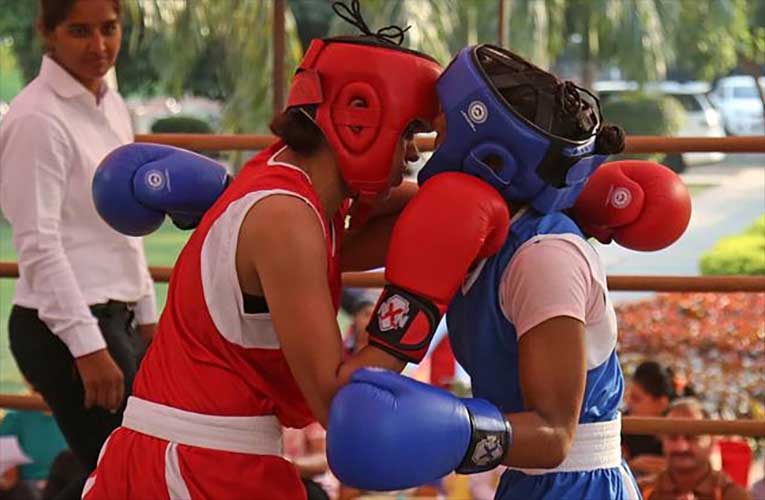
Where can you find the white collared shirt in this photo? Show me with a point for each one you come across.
(51, 141)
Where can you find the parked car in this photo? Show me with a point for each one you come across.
(739, 102)
(702, 119)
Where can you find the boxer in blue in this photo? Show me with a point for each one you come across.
(531, 324)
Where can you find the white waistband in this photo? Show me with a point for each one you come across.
(259, 435)
(595, 446)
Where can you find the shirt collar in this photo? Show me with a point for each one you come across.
(62, 83)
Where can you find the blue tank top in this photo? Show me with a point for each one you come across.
(485, 342)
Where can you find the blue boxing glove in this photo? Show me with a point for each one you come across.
(390, 432)
(137, 184)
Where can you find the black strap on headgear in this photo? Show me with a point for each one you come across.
(389, 34)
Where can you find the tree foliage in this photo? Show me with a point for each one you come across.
(222, 49)
(18, 23)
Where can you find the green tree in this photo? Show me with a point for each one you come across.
(10, 76)
(18, 23)
(726, 34)
(221, 49)
(313, 19)
(630, 34)
(439, 28)
(135, 72)
(711, 48)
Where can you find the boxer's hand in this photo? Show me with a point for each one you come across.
(102, 380)
(390, 432)
(639, 204)
(454, 220)
(137, 184)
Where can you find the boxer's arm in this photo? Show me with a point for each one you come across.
(369, 356)
(547, 293)
(553, 371)
(365, 248)
(289, 263)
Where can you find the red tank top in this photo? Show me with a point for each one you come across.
(209, 356)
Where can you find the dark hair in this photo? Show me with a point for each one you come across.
(610, 140)
(53, 12)
(298, 130)
(560, 108)
(654, 379)
(360, 304)
(690, 404)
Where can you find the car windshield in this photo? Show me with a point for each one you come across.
(745, 92)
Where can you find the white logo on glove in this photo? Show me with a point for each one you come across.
(488, 450)
(394, 313)
(155, 179)
(620, 197)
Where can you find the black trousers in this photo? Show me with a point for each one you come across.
(49, 367)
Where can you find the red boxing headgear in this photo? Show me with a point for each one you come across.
(395, 87)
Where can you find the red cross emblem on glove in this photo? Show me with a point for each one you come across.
(394, 313)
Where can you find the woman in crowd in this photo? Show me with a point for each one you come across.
(648, 395)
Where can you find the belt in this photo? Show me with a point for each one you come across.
(595, 446)
(112, 306)
(257, 435)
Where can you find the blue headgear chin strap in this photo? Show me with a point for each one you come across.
(538, 168)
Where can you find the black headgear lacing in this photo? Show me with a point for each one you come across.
(583, 119)
(389, 34)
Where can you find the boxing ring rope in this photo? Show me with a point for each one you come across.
(634, 143)
(630, 425)
(623, 283)
(615, 283)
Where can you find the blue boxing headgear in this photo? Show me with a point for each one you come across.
(529, 160)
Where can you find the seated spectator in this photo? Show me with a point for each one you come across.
(648, 395)
(360, 311)
(40, 438)
(689, 474)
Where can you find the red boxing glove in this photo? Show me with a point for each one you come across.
(453, 221)
(639, 204)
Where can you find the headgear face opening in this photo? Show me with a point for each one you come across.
(538, 132)
(365, 93)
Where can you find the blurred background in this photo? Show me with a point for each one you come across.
(662, 67)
